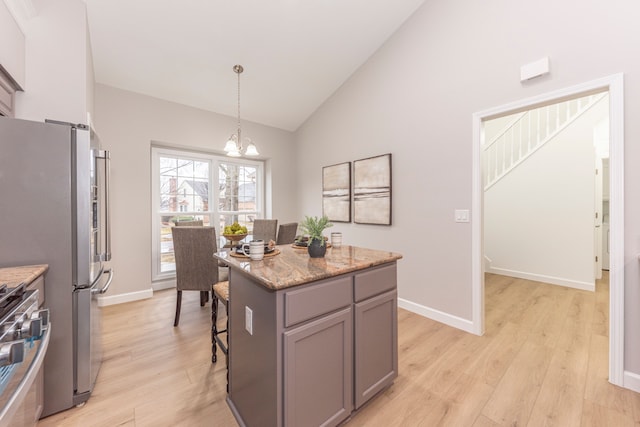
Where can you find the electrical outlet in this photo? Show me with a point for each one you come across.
(248, 320)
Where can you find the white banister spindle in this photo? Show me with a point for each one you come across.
(571, 104)
(504, 154)
(511, 145)
(529, 131)
(495, 166)
(538, 127)
(519, 140)
(548, 123)
(530, 139)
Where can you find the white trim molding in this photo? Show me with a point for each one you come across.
(614, 85)
(632, 381)
(616, 221)
(159, 285)
(552, 280)
(122, 298)
(437, 315)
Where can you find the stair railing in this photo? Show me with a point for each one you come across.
(528, 132)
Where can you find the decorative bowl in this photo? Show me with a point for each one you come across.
(234, 237)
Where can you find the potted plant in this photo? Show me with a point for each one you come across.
(313, 227)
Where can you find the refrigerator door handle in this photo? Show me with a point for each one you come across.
(107, 202)
(106, 156)
(105, 288)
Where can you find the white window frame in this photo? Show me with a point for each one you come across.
(213, 212)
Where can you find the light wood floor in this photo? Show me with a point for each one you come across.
(542, 361)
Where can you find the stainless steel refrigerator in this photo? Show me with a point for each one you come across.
(54, 209)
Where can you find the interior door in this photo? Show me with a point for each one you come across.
(598, 219)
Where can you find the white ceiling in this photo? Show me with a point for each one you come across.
(295, 53)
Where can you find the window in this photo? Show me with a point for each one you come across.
(191, 186)
(237, 201)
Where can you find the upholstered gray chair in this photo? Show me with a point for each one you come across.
(194, 223)
(287, 233)
(196, 269)
(265, 229)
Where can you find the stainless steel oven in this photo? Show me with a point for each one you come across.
(24, 337)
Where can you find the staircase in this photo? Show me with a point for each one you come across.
(528, 132)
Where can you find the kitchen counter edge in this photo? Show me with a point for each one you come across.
(294, 267)
(13, 276)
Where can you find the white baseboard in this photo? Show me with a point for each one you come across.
(430, 313)
(122, 298)
(585, 286)
(163, 284)
(632, 381)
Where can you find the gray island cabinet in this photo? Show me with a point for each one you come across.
(310, 339)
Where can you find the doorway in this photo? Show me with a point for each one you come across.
(613, 85)
(543, 206)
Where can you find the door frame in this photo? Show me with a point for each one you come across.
(614, 84)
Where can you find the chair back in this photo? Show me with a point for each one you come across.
(265, 229)
(287, 233)
(194, 223)
(196, 269)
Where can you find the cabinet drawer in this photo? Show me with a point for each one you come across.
(374, 282)
(307, 303)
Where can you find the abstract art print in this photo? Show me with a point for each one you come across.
(372, 190)
(336, 192)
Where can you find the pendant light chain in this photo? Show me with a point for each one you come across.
(238, 70)
(234, 146)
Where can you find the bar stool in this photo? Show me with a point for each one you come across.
(220, 292)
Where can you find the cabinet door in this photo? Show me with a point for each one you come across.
(318, 377)
(376, 345)
(7, 94)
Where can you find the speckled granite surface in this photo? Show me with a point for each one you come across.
(294, 266)
(13, 276)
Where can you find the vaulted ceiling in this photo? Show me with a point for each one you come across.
(295, 53)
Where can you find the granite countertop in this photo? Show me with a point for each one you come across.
(294, 267)
(13, 276)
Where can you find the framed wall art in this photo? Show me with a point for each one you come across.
(336, 192)
(372, 190)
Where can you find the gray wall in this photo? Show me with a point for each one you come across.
(127, 124)
(415, 98)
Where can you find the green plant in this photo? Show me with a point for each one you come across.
(314, 226)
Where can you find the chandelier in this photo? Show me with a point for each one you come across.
(233, 146)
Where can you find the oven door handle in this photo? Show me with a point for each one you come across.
(105, 288)
(27, 381)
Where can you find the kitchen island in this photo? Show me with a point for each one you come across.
(311, 340)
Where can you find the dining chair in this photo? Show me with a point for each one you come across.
(194, 223)
(287, 233)
(265, 229)
(196, 269)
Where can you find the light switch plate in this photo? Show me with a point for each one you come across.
(248, 320)
(462, 215)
